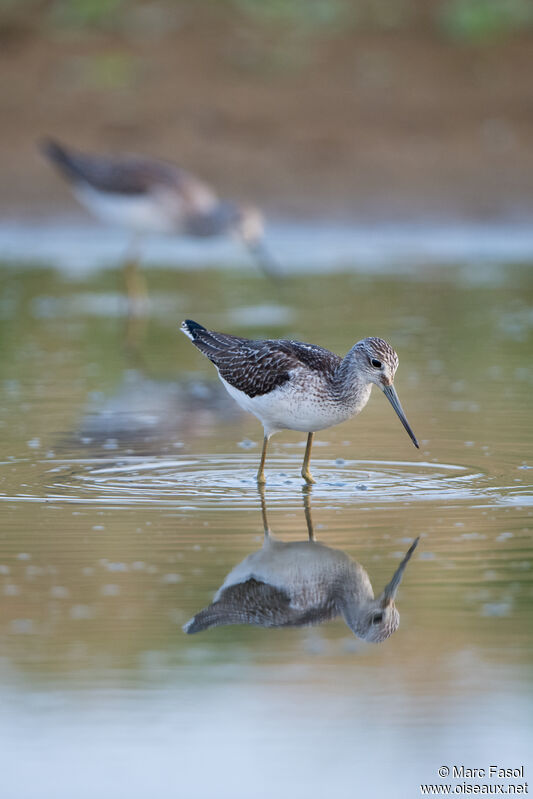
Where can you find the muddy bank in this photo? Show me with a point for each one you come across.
(362, 126)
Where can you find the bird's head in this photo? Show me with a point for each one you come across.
(249, 227)
(378, 362)
(379, 618)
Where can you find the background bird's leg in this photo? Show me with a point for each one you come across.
(306, 474)
(266, 528)
(135, 284)
(135, 327)
(308, 514)
(261, 472)
(136, 297)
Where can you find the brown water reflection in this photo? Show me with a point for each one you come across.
(111, 540)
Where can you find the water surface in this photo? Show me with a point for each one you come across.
(127, 494)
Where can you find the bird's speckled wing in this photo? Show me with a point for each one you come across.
(258, 367)
(255, 602)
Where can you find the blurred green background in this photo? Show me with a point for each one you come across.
(469, 19)
(365, 109)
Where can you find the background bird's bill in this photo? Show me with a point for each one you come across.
(265, 260)
(392, 396)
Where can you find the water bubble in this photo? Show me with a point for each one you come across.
(22, 626)
(116, 567)
(34, 571)
(111, 589)
(503, 536)
(496, 609)
(59, 592)
(171, 578)
(79, 612)
(246, 444)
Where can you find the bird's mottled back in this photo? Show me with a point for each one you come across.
(255, 602)
(129, 175)
(258, 367)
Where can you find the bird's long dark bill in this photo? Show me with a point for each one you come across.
(390, 393)
(266, 261)
(390, 591)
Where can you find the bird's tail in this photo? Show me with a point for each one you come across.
(212, 616)
(60, 156)
(191, 329)
(212, 344)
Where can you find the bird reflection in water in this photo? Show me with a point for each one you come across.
(146, 413)
(292, 584)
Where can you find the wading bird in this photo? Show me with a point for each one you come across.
(289, 385)
(147, 195)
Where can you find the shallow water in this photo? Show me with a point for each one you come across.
(127, 494)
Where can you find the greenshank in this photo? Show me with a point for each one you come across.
(147, 195)
(296, 386)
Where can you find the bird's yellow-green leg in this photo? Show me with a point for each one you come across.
(306, 474)
(261, 472)
(261, 490)
(308, 514)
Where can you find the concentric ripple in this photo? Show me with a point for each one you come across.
(228, 482)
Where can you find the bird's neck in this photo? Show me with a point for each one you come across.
(356, 598)
(350, 384)
(217, 220)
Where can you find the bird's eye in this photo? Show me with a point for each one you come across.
(376, 363)
(377, 618)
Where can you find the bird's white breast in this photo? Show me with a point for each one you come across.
(302, 569)
(300, 404)
(146, 213)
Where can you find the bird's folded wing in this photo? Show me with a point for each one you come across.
(256, 602)
(258, 367)
(251, 602)
(130, 175)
